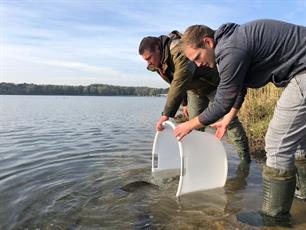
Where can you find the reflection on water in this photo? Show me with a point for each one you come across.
(84, 163)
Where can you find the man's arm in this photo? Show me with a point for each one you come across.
(233, 66)
(181, 78)
(183, 129)
(177, 93)
(230, 92)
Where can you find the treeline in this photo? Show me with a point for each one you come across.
(90, 90)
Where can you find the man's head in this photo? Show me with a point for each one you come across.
(150, 50)
(198, 45)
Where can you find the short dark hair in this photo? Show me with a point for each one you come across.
(194, 34)
(148, 43)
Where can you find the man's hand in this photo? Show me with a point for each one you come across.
(185, 111)
(221, 128)
(159, 124)
(184, 128)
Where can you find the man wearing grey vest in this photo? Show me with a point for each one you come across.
(252, 55)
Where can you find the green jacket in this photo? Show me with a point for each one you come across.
(182, 74)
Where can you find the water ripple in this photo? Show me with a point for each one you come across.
(64, 160)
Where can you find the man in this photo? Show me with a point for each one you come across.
(163, 55)
(251, 55)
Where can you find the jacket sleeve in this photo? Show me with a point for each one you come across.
(233, 65)
(183, 73)
(240, 98)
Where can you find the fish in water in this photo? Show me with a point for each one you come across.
(133, 186)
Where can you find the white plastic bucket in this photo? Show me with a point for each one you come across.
(200, 157)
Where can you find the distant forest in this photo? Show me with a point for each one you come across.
(90, 90)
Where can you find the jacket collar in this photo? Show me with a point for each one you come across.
(224, 30)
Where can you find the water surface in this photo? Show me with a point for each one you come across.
(64, 161)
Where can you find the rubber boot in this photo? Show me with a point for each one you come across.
(300, 190)
(278, 193)
(238, 137)
(240, 180)
(245, 157)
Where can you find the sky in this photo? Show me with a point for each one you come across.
(83, 42)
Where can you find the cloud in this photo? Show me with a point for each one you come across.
(61, 71)
(98, 40)
(84, 67)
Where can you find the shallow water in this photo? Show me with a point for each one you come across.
(64, 162)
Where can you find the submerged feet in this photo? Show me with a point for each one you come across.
(278, 193)
(300, 191)
(258, 219)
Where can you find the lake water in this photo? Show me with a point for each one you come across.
(64, 161)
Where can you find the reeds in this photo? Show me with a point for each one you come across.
(256, 113)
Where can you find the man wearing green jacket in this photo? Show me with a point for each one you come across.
(164, 56)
